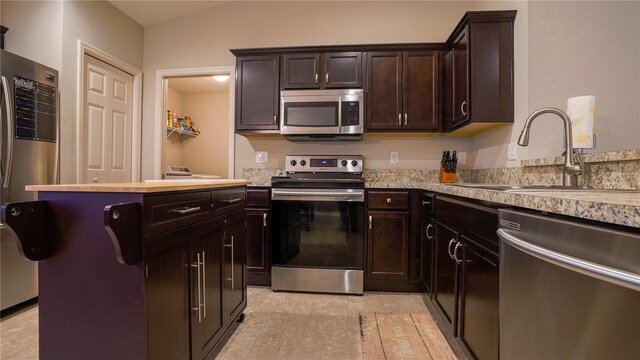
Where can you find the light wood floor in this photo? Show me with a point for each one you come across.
(277, 325)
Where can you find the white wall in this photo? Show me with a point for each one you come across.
(48, 32)
(35, 30)
(585, 48)
(100, 24)
(204, 39)
(209, 152)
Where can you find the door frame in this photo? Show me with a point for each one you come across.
(136, 121)
(159, 112)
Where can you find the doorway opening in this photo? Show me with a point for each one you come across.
(196, 106)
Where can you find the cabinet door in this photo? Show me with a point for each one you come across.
(388, 245)
(206, 290)
(447, 91)
(258, 241)
(420, 100)
(168, 308)
(446, 275)
(234, 295)
(257, 92)
(301, 71)
(384, 91)
(479, 305)
(343, 70)
(461, 78)
(427, 242)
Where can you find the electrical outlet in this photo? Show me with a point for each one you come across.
(262, 157)
(512, 151)
(394, 157)
(462, 158)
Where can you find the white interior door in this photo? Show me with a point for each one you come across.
(107, 130)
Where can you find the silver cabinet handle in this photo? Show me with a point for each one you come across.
(188, 210)
(449, 247)
(370, 222)
(462, 107)
(400, 119)
(597, 271)
(405, 119)
(231, 201)
(455, 253)
(264, 220)
(326, 78)
(388, 200)
(204, 289)
(197, 307)
(10, 135)
(430, 237)
(426, 203)
(316, 78)
(275, 118)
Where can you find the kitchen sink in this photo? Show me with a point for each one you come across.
(539, 188)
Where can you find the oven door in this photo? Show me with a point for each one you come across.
(318, 228)
(321, 112)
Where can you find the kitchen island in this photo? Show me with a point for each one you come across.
(138, 270)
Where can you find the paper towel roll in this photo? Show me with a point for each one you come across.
(582, 110)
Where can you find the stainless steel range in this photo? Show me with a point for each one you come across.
(318, 225)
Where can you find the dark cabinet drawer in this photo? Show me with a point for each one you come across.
(470, 217)
(166, 212)
(388, 200)
(258, 198)
(228, 200)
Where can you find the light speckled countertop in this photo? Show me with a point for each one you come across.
(617, 208)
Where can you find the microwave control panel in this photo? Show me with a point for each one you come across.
(350, 113)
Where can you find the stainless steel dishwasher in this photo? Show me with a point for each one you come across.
(568, 290)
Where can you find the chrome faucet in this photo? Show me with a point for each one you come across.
(571, 170)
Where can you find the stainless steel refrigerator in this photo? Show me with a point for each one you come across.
(29, 155)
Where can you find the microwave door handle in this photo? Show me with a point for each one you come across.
(339, 114)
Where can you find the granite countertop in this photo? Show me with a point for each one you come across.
(142, 187)
(617, 208)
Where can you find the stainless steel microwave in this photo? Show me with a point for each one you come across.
(322, 112)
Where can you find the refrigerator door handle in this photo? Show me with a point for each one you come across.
(10, 128)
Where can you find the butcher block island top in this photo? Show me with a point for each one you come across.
(142, 187)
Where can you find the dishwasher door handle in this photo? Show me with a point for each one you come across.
(597, 271)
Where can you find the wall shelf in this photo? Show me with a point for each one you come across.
(172, 130)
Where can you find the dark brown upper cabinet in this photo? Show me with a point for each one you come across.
(322, 71)
(402, 91)
(257, 93)
(478, 73)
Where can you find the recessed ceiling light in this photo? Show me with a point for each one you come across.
(223, 77)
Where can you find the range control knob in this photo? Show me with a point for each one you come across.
(293, 163)
(344, 163)
(303, 162)
(354, 163)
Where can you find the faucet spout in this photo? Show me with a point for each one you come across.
(571, 170)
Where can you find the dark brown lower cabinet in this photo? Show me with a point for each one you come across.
(479, 310)
(258, 236)
(446, 275)
(207, 324)
(168, 291)
(234, 259)
(388, 245)
(466, 291)
(427, 247)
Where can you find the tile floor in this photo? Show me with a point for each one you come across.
(277, 325)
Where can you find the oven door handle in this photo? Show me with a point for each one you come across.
(302, 195)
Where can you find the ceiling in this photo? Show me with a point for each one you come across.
(197, 85)
(149, 12)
